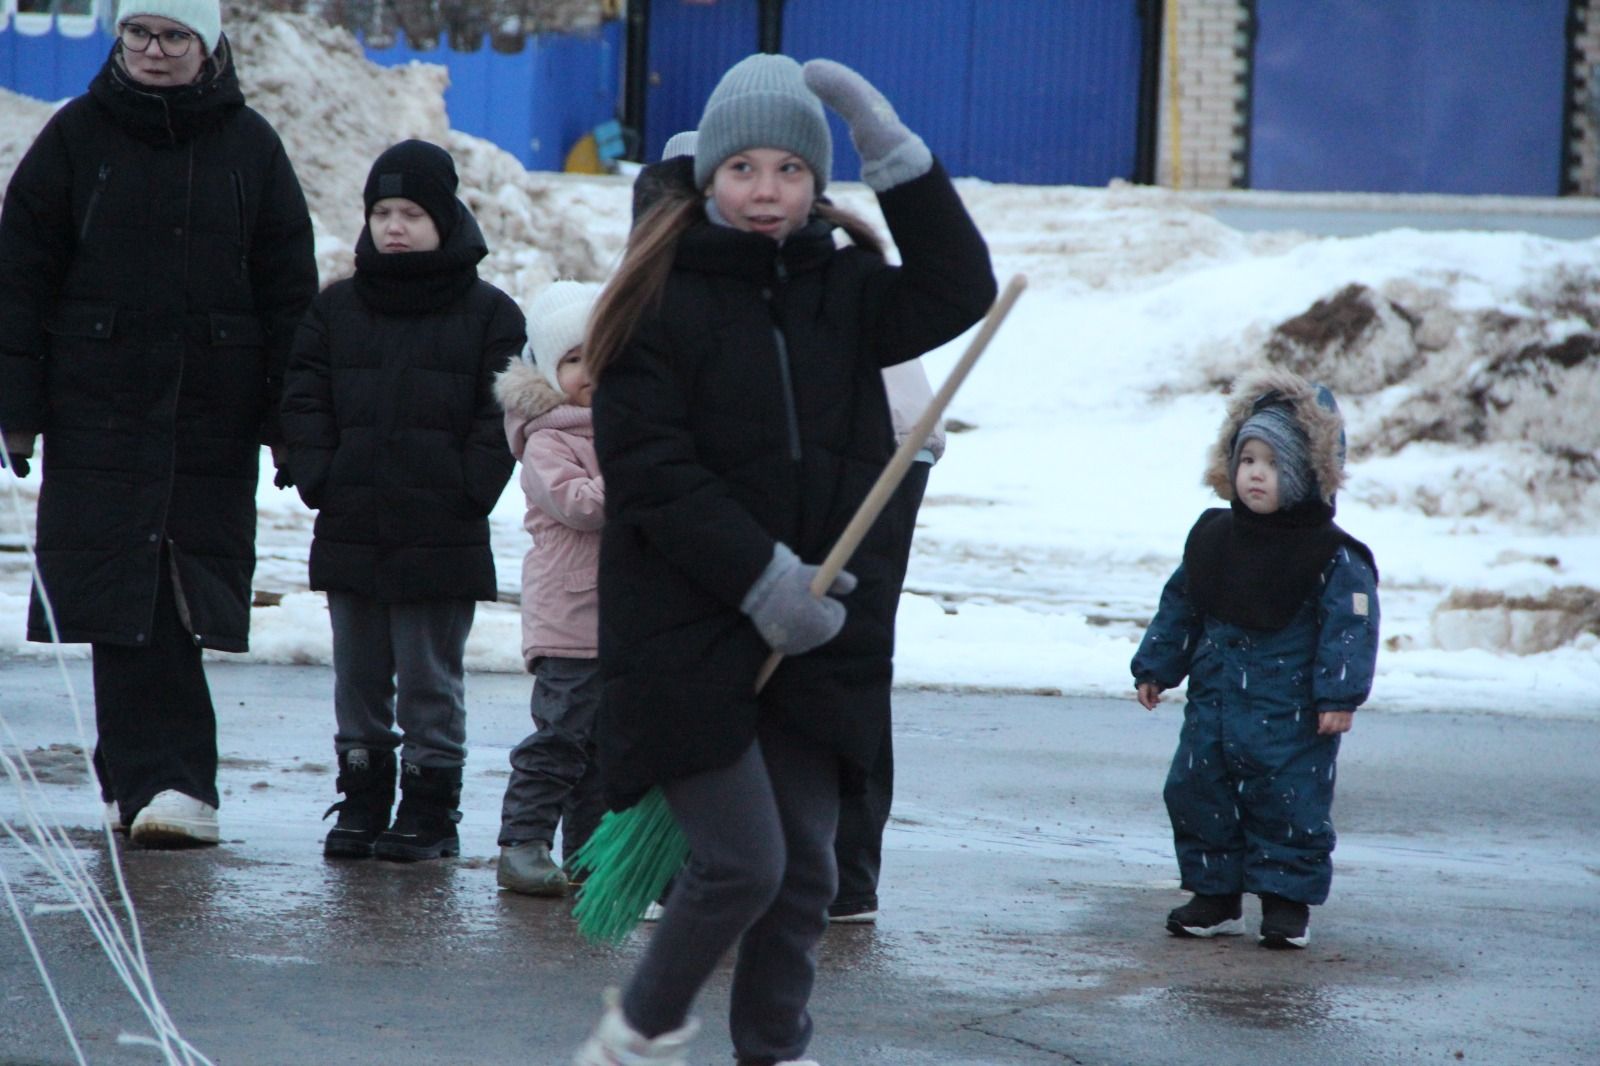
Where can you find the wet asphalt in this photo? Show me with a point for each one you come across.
(1028, 870)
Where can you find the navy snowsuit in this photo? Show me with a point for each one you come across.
(1250, 791)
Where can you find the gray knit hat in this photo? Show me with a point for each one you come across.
(763, 102)
(1275, 425)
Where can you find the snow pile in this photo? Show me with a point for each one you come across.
(336, 112)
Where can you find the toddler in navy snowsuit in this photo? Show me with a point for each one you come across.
(1273, 616)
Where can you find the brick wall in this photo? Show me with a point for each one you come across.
(1213, 81)
(1583, 133)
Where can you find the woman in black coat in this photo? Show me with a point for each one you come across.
(740, 420)
(155, 256)
(395, 437)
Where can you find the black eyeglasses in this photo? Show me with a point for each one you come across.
(174, 44)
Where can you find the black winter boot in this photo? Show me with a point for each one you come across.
(367, 781)
(1207, 916)
(1285, 923)
(425, 823)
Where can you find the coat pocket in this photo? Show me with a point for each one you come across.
(82, 318)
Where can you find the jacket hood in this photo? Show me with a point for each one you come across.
(1314, 409)
(524, 391)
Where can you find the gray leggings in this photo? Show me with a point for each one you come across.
(761, 874)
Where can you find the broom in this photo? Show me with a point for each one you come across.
(633, 854)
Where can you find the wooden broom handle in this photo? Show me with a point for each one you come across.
(904, 456)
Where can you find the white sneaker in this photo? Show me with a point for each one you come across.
(173, 820)
(614, 1043)
(114, 817)
(652, 912)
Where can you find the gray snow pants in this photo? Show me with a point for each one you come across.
(401, 662)
(554, 774)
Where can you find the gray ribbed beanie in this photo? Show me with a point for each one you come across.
(763, 102)
(1275, 425)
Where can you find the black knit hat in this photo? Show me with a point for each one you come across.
(421, 172)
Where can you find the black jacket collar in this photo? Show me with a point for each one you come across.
(169, 115)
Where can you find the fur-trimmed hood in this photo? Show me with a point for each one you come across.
(1314, 408)
(523, 390)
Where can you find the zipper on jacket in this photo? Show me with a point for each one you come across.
(238, 201)
(94, 199)
(785, 378)
(789, 411)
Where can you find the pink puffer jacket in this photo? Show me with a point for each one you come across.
(566, 508)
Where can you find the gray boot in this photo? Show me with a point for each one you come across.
(528, 868)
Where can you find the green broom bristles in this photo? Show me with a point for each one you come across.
(630, 858)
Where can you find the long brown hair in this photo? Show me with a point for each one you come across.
(637, 285)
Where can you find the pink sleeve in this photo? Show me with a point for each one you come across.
(557, 482)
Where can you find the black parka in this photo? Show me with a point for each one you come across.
(395, 436)
(749, 408)
(155, 256)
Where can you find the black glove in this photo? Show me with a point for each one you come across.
(15, 452)
(283, 479)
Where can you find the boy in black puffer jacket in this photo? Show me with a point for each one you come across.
(394, 437)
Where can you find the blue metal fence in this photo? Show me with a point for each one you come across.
(536, 104)
(1449, 96)
(50, 57)
(690, 46)
(1039, 91)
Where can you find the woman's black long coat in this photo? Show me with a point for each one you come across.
(748, 409)
(155, 257)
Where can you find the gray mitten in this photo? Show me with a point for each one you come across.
(788, 617)
(890, 154)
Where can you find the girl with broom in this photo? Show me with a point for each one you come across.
(739, 420)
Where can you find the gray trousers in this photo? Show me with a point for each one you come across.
(554, 776)
(401, 662)
(760, 874)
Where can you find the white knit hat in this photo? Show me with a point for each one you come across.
(204, 17)
(557, 318)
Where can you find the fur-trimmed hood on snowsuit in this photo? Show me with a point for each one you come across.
(565, 496)
(1315, 410)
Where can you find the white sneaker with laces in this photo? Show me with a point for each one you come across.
(174, 820)
(614, 1042)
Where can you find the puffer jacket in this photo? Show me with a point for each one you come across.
(394, 436)
(155, 257)
(749, 409)
(566, 508)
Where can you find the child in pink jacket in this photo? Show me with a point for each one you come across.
(546, 397)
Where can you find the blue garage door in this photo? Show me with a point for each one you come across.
(691, 44)
(1452, 96)
(1036, 91)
